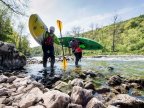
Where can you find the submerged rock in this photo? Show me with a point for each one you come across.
(115, 80)
(10, 57)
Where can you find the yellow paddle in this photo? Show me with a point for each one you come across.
(59, 24)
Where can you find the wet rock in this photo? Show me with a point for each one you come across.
(71, 105)
(89, 85)
(126, 101)
(126, 86)
(3, 79)
(138, 81)
(135, 85)
(110, 96)
(29, 99)
(22, 81)
(95, 103)
(57, 77)
(82, 76)
(121, 89)
(7, 101)
(10, 57)
(55, 99)
(100, 75)
(62, 86)
(39, 85)
(4, 92)
(103, 90)
(11, 79)
(111, 69)
(33, 61)
(115, 80)
(90, 72)
(21, 75)
(80, 96)
(77, 82)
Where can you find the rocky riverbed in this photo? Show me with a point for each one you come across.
(18, 90)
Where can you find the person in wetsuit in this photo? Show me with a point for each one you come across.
(77, 51)
(48, 47)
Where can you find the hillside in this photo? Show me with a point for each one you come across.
(128, 38)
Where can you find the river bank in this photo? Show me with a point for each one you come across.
(64, 91)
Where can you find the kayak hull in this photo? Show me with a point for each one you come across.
(88, 43)
(37, 28)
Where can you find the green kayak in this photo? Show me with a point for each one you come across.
(85, 43)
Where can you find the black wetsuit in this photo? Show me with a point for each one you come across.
(48, 52)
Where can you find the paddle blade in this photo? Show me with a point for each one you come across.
(64, 63)
(59, 24)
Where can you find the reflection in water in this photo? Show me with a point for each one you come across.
(78, 69)
(48, 73)
(47, 77)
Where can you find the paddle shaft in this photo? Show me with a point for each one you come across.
(62, 45)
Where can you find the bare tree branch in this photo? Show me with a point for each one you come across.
(15, 6)
(76, 30)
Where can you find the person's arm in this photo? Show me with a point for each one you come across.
(56, 40)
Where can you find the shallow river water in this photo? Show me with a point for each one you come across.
(128, 66)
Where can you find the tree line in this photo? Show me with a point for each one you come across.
(8, 33)
(124, 37)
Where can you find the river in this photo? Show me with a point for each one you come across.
(128, 66)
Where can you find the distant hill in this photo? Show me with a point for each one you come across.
(129, 38)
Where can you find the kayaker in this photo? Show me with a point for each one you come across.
(48, 47)
(77, 51)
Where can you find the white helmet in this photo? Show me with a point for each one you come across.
(52, 28)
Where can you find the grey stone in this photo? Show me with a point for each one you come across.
(126, 101)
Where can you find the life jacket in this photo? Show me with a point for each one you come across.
(49, 41)
(78, 50)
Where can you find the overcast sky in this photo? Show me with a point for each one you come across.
(84, 12)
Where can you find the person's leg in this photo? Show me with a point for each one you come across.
(44, 55)
(44, 60)
(76, 59)
(52, 56)
(52, 61)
